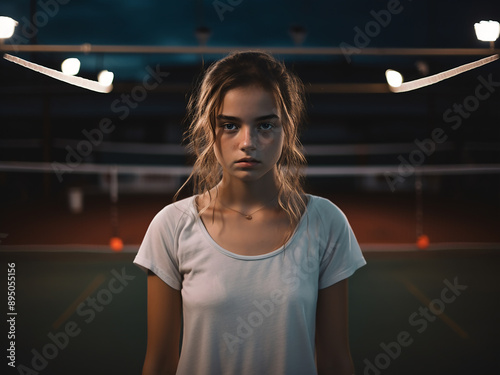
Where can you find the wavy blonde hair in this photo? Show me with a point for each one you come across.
(243, 69)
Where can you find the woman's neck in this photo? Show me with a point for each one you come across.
(246, 195)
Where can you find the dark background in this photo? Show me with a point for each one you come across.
(63, 258)
(348, 100)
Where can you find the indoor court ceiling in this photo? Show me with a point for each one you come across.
(349, 101)
(247, 24)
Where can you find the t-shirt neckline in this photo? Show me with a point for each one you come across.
(219, 248)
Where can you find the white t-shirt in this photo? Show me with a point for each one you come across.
(248, 315)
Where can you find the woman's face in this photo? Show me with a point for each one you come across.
(249, 134)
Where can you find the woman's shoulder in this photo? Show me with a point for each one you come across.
(322, 203)
(325, 208)
(176, 211)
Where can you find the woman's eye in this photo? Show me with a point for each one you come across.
(266, 126)
(229, 126)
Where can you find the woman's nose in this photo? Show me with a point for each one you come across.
(247, 138)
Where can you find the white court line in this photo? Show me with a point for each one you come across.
(72, 80)
(427, 81)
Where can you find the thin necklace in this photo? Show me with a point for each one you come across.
(246, 216)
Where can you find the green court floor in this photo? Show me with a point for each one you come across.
(410, 313)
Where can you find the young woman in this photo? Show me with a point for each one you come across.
(251, 269)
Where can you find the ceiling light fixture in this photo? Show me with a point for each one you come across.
(203, 33)
(7, 27)
(394, 78)
(76, 81)
(435, 78)
(70, 66)
(487, 31)
(105, 77)
(298, 34)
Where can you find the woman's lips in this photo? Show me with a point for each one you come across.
(246, 163)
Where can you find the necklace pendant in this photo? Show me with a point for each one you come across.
(248, 217)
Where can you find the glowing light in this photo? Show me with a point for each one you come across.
(116, 244)
(70, 66)
(435, 78)
(105, 78)
(487, 31)
(7, 27)
(423, 242)
(394, 78)
(56, 74)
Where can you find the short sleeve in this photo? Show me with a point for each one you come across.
(342, 254)
(158, 252)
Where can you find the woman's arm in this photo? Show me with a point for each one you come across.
(164, 327)
(333, 355)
